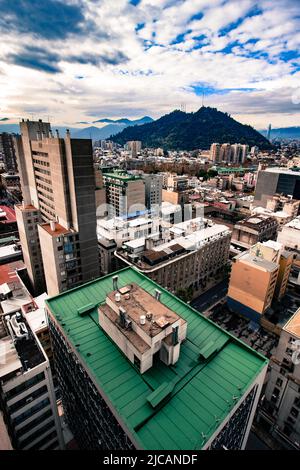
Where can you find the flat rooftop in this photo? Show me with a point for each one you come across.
(8, 271)
(140, 302)
(295, 223)
(282, 170)
(204, 390)
(59, 229)
(293, 325)
(257, 261)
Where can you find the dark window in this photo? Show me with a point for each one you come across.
(38, 433)
(34, 409)
(279, 382)
(25, 386)
(294, 412)
(34, 423)
(24, 401)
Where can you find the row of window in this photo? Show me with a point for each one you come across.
(25, 386)
(35, 422)
(38, 433)
(24, 401)
(31, 411)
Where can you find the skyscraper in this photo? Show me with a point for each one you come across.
(269, 132)
(57, 220)
(7, 150)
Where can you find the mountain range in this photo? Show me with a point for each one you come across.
(91, 132)
(284, 133)
(189, 131)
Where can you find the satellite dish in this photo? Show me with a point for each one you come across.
(296, 357)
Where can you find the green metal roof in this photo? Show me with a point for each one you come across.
(121, 176)
(167, 407)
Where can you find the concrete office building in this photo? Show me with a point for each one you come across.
(194, 255)
(125, 194)
(153, 189)
(58, 185)
(8, 153)
(255, 229)
(27, 397)
(272, 181)
(252, 285)
(281, 413)
(124, 349)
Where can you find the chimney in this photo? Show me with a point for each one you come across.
(115, 282)
(175, 335)
(122, 313)
(52, 225)
(157, 294)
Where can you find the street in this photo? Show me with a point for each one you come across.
(210, 297)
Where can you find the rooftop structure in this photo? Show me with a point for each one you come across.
(214, 378)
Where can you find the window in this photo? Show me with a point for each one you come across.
(24, 401)
(137, 362)
(279, 382)
(297, 402)
(24, 386)
(294, 412)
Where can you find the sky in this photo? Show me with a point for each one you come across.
(76, 61)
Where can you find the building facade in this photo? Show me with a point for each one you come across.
(27, 398)
(125, 194)
(58, 185)
(8, 153)
(277, 181)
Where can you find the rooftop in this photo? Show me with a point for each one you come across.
(8, 271)
(295, 223)
(7, 215)
(203, 390)
(10, 251)
(293, 325)
(284, 171)
(256, 261)
(121, 176)
(59, 229)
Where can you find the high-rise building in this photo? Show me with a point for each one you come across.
(153, 189)
(215, 152)
(269, 132)
(252, 285)
(225, 154)
(7, 150)
(57, 220)
(280, 414)
(27, 398)
(272, 181)
(146, 371)
(125, 194)
(135, 146)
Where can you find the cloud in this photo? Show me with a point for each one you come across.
(84, 58)
(36, 58)
(52, 19)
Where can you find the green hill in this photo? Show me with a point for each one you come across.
(189, 131)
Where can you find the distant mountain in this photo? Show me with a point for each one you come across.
(126, 121)
(189, 131)
(284, 133)
(96, 133)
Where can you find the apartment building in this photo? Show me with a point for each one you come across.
(254, 229)
(196, 252)
(58, 185)
(27, 398)
(153, 190)
(215, 153)
(113, 233)
(124, 358)
(8, 153)
(125, 194)
(281, 412)
(252, 285)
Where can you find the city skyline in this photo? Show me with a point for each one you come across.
(88, 61)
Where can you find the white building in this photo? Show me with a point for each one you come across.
(26, 388)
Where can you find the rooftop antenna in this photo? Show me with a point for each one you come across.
(202, 99)
(183, 107)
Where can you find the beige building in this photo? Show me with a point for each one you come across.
(125, 194)
(215, 152)
(252, 285)
(258, 228)
(191, 260)
(58, 185)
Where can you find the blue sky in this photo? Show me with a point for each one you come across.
(79, 60)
